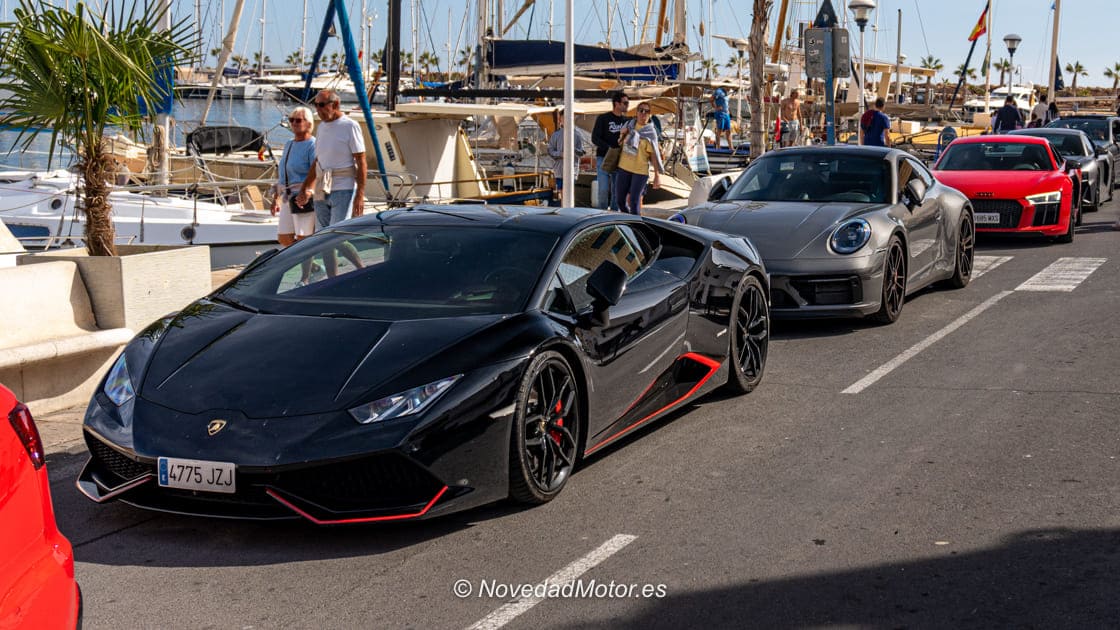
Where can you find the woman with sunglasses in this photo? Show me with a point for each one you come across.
(638, 140)
(296, 221)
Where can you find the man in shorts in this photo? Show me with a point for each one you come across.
(791, 119)
(721, 116)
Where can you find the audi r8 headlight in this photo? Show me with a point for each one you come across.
(118, 386)
(405, 403)
(1045, 198)
(850, 236)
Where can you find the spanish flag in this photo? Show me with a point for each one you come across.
(982, 25)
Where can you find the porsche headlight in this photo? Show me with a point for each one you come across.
(118, 386)
(850, 236)
(1045, 198)
(405, 403)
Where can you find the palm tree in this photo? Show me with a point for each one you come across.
(757, 45)
(1114, 74)
(1076, 69)
(78, 72)
(215, 52)
(1004, 66)
(407, 62)
(931, 63)
(239, 61)
(294, 59)
(466, 56)
(969, 73)
(426, 61)
(257, 61)
(710, 67)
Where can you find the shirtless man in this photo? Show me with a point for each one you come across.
(791, 118)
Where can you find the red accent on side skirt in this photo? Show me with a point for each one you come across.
(370, 519)
(712, 366)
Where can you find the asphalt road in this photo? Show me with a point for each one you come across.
(975, 484)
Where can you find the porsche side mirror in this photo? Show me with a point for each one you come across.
(915, 192)
(719, 189)
(1098, 151)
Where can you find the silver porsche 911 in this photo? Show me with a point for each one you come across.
(845, 231)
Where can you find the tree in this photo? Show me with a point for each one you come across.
(407, 63)
(931, 63)
(1114, 74)
(215, 52)
(466, 56)
(426, 61)
(1076, 69)
(257, 60)
(239, 61)
(969, 73)
(1004, 66)
(78, 72)
(710, 67)
(294, 59)
(760, 17)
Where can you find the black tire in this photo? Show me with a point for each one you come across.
(544, 440)
(966, 252)
(1095, 202)
(750, 337)
(894, 284)
(1073, 221)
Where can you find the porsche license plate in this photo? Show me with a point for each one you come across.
(987, 218)
(194, 474)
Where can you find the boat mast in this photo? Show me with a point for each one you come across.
(1054, 53)
(898, 62)
(223, 57)
(303, 37)
(414, 12)
(260, 61)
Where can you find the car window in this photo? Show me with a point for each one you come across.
(616, 243)
(910, 169)
(820, 177)
(1115, 130)
(995, 156)
(399, 272)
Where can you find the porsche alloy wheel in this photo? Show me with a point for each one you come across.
(545, 436)
(894, 283)
(750, 336)
(966, 251)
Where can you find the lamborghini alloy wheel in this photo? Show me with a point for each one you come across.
(750, 336)
(545, 437)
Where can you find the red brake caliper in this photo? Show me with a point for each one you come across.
(556, 435)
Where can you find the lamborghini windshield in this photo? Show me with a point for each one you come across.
(397, 272)
(995, 156)
(814, 177)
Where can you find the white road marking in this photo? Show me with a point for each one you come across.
(983, 264)
(889, 366)
(570, 573)
(1064, 274)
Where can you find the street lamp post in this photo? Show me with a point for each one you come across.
(861, 11)
(1012, 40)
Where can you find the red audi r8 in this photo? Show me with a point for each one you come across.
(1017, 184)
(37, 587)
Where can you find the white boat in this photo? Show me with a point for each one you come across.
(1023, 95)
(38, 207)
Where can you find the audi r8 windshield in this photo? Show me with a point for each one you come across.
(396, 272)
(814, 177)
(995, 156)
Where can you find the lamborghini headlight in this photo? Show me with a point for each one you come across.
(850, 236)
(118, 386)
(1045, 198)
(405, 403)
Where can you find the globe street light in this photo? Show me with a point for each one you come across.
(1012, 40)
(861, 11)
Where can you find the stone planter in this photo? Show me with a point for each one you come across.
(142, 284)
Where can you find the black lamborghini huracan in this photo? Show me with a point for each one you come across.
(422, 361)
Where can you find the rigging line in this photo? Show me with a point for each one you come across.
(1043, 49)
(923, 28)
(428, 23)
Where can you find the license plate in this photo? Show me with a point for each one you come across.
(987, 217)
(194, 474)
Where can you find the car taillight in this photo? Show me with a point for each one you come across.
(21, 420)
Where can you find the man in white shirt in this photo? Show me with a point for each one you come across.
(1038, 113)
(338, 175)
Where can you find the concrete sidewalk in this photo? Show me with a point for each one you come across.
(61, 431)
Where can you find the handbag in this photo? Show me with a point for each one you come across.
(610, 160)
(305, 208)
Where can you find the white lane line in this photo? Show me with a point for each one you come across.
(889, 366)
(1064, 274)
(983, 264)
(570, 573)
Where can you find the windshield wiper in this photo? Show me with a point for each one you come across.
(225, 299)
(340, 316)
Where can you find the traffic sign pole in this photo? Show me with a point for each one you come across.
(829, 92)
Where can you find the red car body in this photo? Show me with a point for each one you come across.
(999, 178)
(37, 586)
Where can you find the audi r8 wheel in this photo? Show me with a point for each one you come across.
(750, 336)
(894, 283)
(545, 436)
(966, 251)
(1073, 221)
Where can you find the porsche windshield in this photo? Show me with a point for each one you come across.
(397, 272)
(995, 156)
(814, 177)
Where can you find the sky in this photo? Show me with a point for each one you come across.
(929, 27)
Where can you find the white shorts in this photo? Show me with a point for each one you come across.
(300, 224)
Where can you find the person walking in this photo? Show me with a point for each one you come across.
(1008, 117)
(722, 116)
(1038, 113)
(639, 152)
(556, 151)
(1052, 113)
(604, 135)
(875, 124)
(338, 176)
(790, 111)
(296, 222)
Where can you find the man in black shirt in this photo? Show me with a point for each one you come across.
(605, 136)
(1008, 117)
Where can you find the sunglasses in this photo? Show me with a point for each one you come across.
(295, 120)
(320, 103)
(643, 111)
